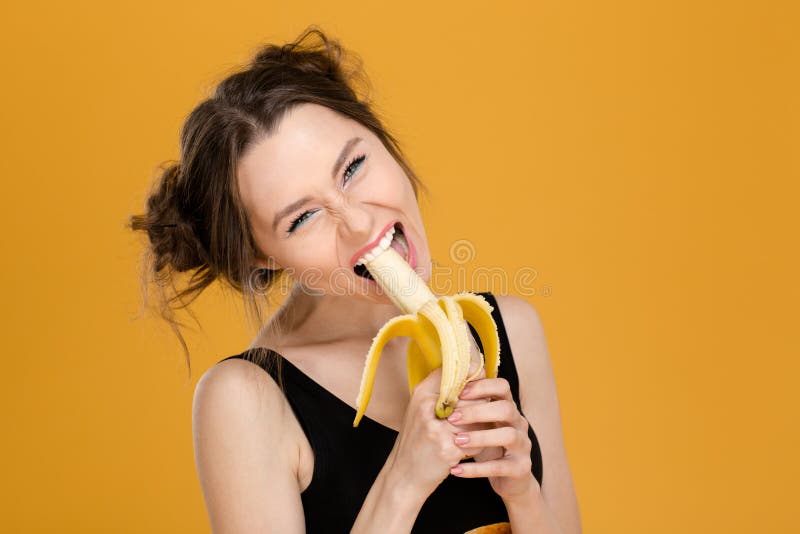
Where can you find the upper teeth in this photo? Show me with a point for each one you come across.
(384, 243)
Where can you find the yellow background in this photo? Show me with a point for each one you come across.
(642, 157)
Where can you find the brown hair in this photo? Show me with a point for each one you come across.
(194, 219)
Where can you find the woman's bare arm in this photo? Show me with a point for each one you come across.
(246, 465)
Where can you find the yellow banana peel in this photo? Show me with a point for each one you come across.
(437, 328)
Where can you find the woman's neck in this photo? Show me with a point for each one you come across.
(306, 318)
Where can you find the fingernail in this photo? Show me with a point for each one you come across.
(466, 390)
(461, 439)
(457, 470)
(455, 416)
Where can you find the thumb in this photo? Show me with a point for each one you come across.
(431, 383)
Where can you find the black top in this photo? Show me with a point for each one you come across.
(347, 460)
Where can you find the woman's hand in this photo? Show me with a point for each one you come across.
(506, 459)
(425, 448)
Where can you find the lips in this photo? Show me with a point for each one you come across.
(409, 253)
(369, 246)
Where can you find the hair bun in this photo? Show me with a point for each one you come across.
(172, 238)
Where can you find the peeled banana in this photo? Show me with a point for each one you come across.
(437, 327)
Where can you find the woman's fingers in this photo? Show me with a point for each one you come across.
(507, 437)
(500, 411)
(506, 460)
(519, 468)
(496, 388)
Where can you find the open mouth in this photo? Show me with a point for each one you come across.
(361, 270)
(394, 238)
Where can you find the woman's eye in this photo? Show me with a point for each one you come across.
(349, 171)
(300, 220)
(355, 163)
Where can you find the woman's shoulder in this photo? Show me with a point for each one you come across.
(236, 390)
(516, 312)
(518, 317)
(242, 378)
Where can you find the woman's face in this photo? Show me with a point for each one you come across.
(318, 191)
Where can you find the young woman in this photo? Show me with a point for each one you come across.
(286, 170)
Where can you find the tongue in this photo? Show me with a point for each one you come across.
(399, 248)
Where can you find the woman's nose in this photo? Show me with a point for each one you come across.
(356, 221)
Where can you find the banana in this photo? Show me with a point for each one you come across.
(437, 327)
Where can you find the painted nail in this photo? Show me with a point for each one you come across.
(461, 439)
(455, 416)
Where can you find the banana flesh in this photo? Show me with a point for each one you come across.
(437, 328)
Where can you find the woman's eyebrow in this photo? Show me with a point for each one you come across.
(336, 165)
(343, 154)
(287, 210)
